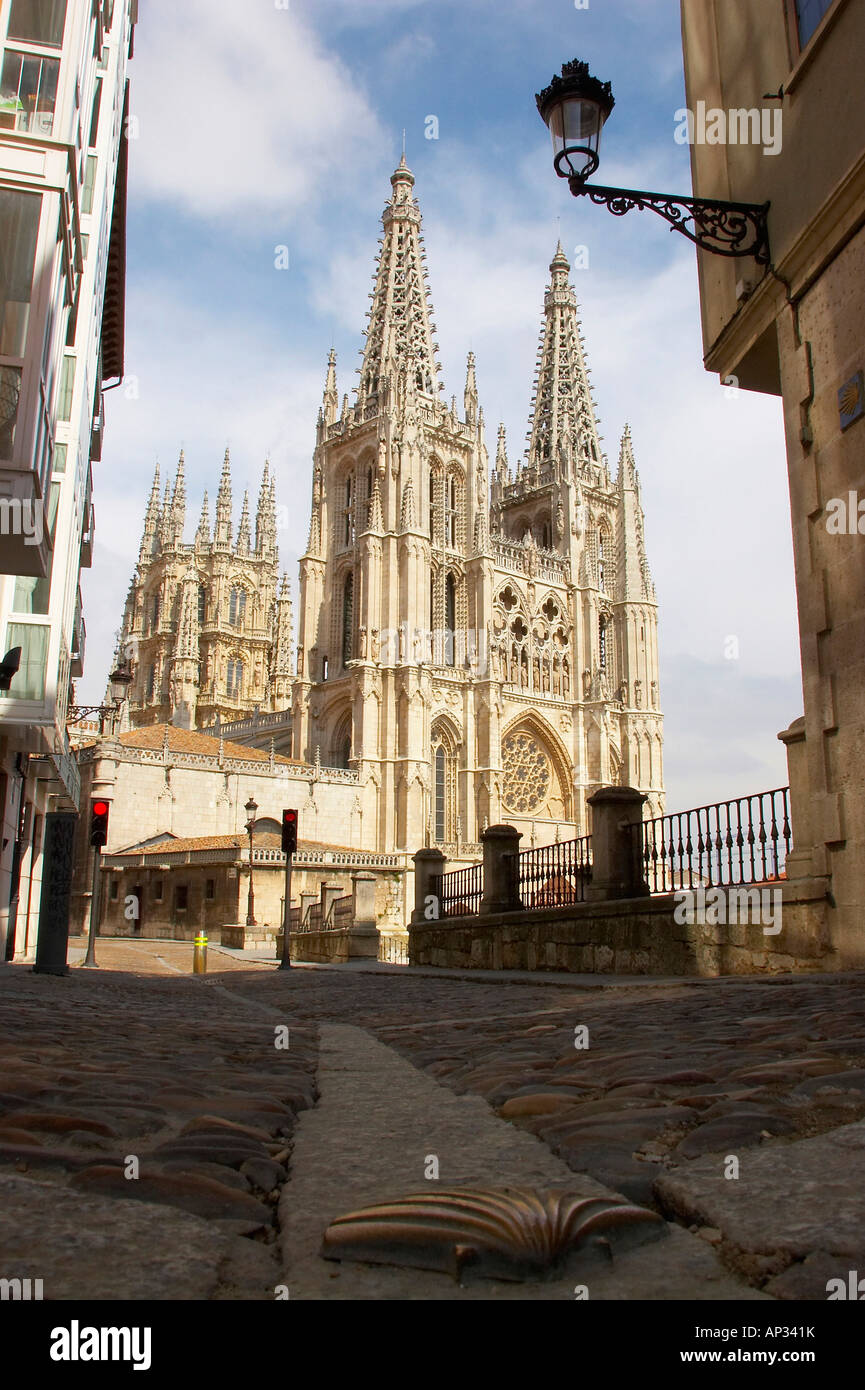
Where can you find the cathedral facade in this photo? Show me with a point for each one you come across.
(475, 645)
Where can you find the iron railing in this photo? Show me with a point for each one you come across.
(730, 842)
(393, 950)
(554, 875)
(459, 893)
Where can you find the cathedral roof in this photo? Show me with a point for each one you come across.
(190, 741)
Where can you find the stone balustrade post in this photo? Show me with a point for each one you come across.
(306, 902)
(363, 936)
(800, 860)
(428, 863)
(501, 845)
(617, 865)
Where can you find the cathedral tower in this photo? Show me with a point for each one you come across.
(474, 657)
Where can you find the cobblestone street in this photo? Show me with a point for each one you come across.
(733, 1108)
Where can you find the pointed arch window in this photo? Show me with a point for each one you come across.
(368, 496)
(444, 784)
(602, 582)
(602, 642)
(432, 506)
(154, 612)
(348, 619)
(451, 513)
(151, 682)
(234, 679)
(236, 607)
(202, 604)
(450, 621)
(348, 510)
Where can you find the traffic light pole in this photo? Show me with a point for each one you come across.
(285, 963)
(90, 959)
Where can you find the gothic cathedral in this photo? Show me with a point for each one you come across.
(476, 646)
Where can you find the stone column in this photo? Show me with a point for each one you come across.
(501, 870)
(617, 866)
(427, 864)
(800, 861)
(363, 937)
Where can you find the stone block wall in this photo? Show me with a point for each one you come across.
(638, 936)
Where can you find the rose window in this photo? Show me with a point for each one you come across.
(527, 773)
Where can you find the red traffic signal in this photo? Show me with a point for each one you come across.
(99, 822)
(289, 832)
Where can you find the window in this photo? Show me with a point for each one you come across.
(151, 682)
(348, 619)
(181, 897)
(432, 506)
(440, 793)
(94, 119)
(89, 184)
(237, 607)
(602, 643)
(29, 681)
(202, 603)
(348, 511)
(19, 229)
(28, 92)
(67, 386)
(38, 21)
(809, 13)
(210, 890)
(154, 612)
(10, 392)
(451, 513)
(368, 496)
(157, 891)
(234, 679)
(59, 459)
(115, 889)
(601, 579)
(450, 620)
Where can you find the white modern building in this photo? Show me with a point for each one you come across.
(63, 143)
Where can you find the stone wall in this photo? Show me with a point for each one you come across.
(322, 947)
(638, 936)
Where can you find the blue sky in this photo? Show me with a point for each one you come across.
(260, 127)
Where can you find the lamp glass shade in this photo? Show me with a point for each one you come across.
(575, 124)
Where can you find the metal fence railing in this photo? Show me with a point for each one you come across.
(729, 842)
(553, 875)
(459, 893)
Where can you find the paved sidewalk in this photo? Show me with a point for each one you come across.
(376, 1126)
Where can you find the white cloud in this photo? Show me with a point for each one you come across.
(242, 108)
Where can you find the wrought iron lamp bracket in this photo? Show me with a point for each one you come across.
(725, 229)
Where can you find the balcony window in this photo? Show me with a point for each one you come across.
(29, 681)
(28, 92)
(59, 459)
(809, 13)
(89, 184)
(67, 386)
(19, 229)
(38, 21)
(10, 391)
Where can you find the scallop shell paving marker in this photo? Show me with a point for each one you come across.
(510, 1233)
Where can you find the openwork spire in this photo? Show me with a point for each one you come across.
(244, 536)
(564, 429)
(400, 331)
(222, 529)
(186, 642)
(202, 535)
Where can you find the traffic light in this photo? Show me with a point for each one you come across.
(99, 822)
(289, 831)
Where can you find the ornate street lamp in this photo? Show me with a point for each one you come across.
(250, 808)
(575, 108)
(118, 687)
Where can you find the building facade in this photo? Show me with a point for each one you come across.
(797, 330)
(63, 152)
(474, 644)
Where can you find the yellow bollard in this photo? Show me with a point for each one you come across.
(199, 955)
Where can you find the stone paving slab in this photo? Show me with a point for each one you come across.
(377, 1121)
(793, 1202)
